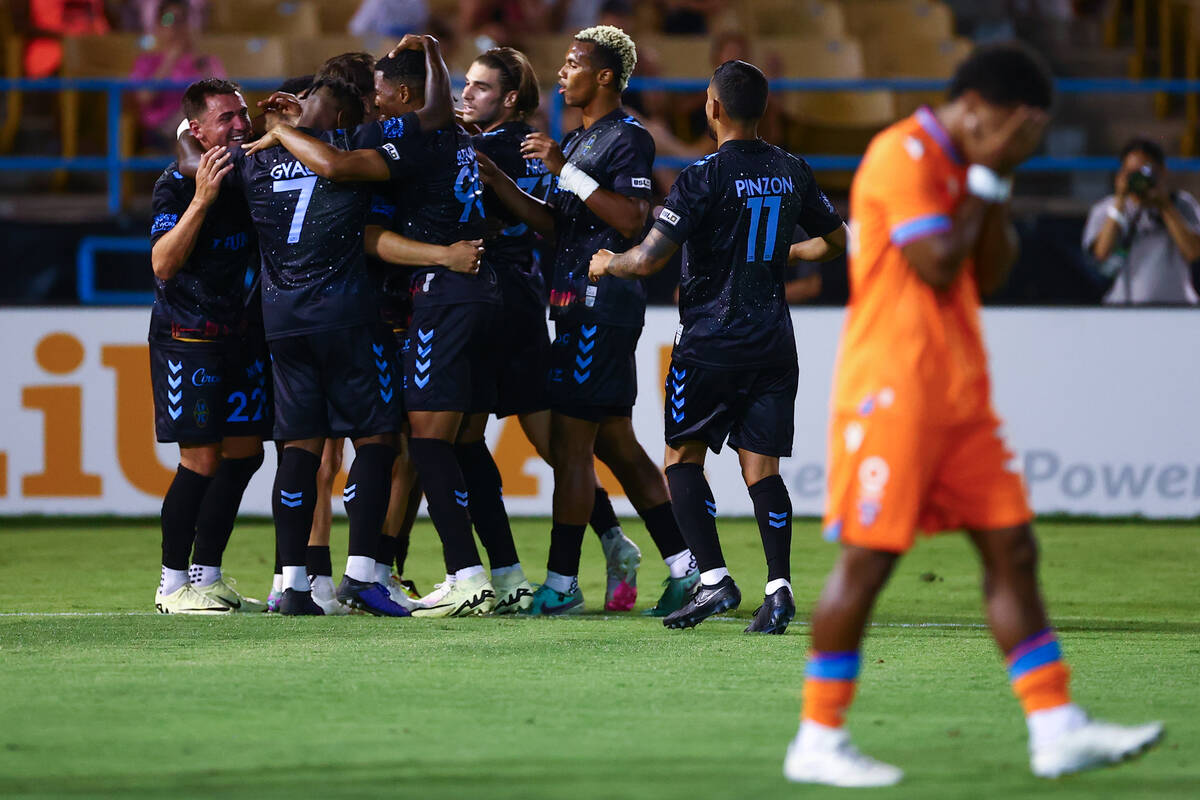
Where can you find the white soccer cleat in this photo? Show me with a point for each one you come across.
(831, 759)
(399, 594)
(473, 596)
(186, 600)
(1093, 744)
(324, 594)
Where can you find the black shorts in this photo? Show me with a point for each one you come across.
(754, 408)
(340, 383)
(593, 373)
(204, 394)
(523, 342)
(450, 359)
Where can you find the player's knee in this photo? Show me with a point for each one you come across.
(201, 460)
(1019, 550)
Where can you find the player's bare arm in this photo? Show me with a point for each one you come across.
(938, 259)
(438, 111)
(642, 261)
(626, 215)
(323, 158)
(533, 212)
(173, 248)
(820, 248)
(389, 246)
(996, 250)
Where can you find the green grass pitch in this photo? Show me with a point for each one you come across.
(602, 706)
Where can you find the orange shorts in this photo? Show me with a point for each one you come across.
(890, 476)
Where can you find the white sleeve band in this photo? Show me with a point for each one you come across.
(985, 184)
(573, 179)
(183, 127)
(1117, 217)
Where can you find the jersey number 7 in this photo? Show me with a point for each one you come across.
(305, 187)
(755, 204)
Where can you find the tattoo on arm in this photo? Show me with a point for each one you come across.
(646, 259)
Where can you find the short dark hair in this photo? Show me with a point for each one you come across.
(195, 98)
(356, 68)
(298, 85)
(1005, 74)
(1147, 147)
(406, 67)
(348, 96)
(742, 90)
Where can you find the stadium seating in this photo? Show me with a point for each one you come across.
(792, 17)
(874, 19)
(303, 55)
(912, 57)
(265, 17)
(678, 56)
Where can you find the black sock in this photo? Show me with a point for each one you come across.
(487, 503)
(664, 529)
(385, 553)
(696, 512)
(278, 561)
(293, 500)
(566, 543)
(604, 519)
(317, 560)
(180, 507)
(368, 488)
(406, 526)
(773, 510)
(219, 510)
(447, 497)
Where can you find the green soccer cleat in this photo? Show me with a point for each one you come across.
(222, 592)
(468, 597)
(514, 593)
(186, 600)
(550, 603)
(677, 592)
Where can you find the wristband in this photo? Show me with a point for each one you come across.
(183, 128)
(985, 184)
(573, 179)
(1117, 217)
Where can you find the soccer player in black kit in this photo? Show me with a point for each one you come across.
(449, 362)
(501, 92)
(600, 199)
(734, 371)
(209, 367)
(333, 374)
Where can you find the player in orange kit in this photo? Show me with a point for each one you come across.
(914, 442)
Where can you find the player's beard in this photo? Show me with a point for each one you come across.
(712, 134)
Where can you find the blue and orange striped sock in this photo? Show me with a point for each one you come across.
(829, 683)
(1038, 673)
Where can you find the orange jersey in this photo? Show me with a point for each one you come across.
(903, 342)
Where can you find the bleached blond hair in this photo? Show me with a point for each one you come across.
(618, 43)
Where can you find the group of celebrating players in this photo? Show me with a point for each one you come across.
(367, 268)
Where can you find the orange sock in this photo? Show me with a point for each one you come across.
(1040, 678)
(830, 680)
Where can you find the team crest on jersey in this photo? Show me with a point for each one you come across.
(393, 128)
(200, 413)
(668, 216)
(591, 140)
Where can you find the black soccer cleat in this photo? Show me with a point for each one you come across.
(706, 601)
(373, 598)
(295, 603)
(773, 616)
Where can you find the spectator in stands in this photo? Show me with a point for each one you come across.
(390, 18)
(172, 58)
(143, 15)
(49, 21)
(1146, 236)
(690, 16)
(501, 22)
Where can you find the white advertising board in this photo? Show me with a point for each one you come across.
(1099, 407)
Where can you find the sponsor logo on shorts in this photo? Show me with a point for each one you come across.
(668, 216)
(201, 378)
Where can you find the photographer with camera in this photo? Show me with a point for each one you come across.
(1145, 236)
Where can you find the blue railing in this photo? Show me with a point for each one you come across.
(113, 164)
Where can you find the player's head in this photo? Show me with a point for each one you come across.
(601, 59)
(996, 80)
(1144, 156)
(358, 69)
(501, 85)
(737, 97)
(400, 83)
(216, 112)
(332, 103)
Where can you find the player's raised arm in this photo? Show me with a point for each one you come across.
(627, 215)
(393, 248)
(172, 250)
(438, 111)
(642, 261)
(323, 158)
(533, 212)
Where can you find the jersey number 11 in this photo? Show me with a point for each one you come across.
(755, 204)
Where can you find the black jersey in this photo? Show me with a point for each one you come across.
(314, 274)
(510, 252)
(436, 183)
(618, 153)
(392, 282)
(204, 303)
(733, 212)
